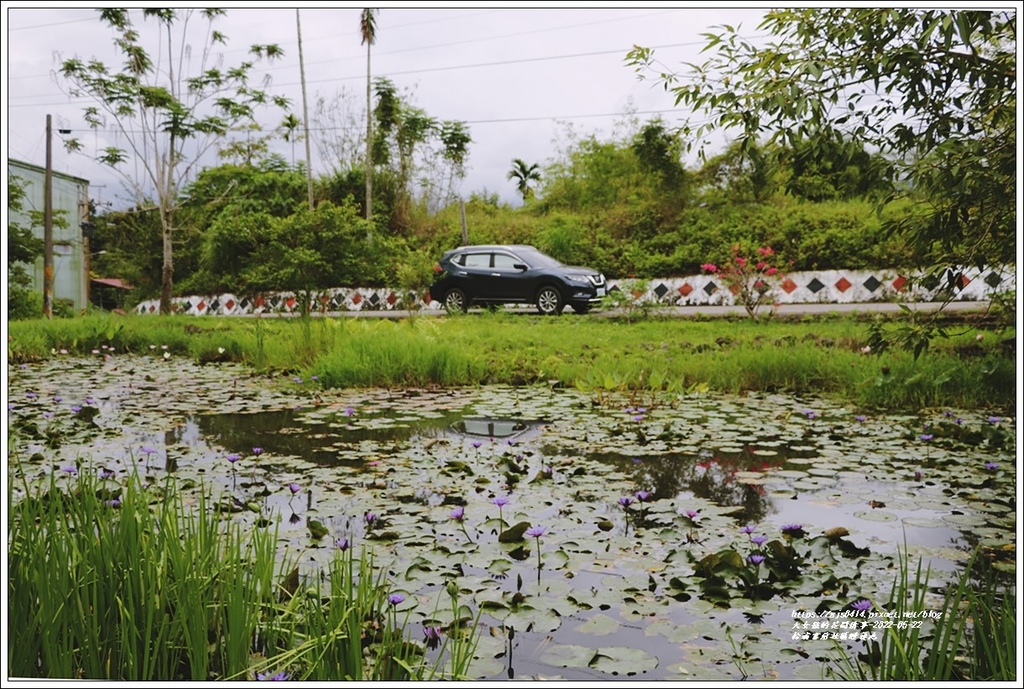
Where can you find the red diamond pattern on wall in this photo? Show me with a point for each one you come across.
(356, 298)
(392, 298)
(962, 281)
(685, 289)
(842, 284)
(290, 302)
(734, 288)
(229, 304)
(201, 306)
(788, 286)
(899, 282)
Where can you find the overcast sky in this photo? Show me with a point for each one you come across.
(516, 77)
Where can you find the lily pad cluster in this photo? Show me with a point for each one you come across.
(667, 538)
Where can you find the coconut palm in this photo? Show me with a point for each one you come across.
(524, 175)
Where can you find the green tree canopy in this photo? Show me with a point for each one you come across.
(932, 90)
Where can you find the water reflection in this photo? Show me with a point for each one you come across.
(706, 475)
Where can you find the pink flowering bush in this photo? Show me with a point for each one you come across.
(751, 281)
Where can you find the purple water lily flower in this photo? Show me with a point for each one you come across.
(500, 500)
(297, 380)
(861, 604)
(69, 470)
(692, 514)
(90, 400)
(257, 451)
(862, 419)
(343, 544)
(459, 513)
(58, 398)
(395, 598)
(115, 503)
(642, 495)
(793, 528)
(233, 457)
(809, 413)
(927, 436)
(76, 409)
(31, 395)
(749, 529)
(918, 475)
(991, 466)
(147, 450)
(758, 540)
(755, 559)
(994, 419)
(535, 531)
(626, 501)
(477, 444)
(370, 518)
(47, 414)
(431, 637)
(294, 488)
(106, 473)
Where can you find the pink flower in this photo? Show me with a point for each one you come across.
(740, 261)
(710, 267)
(761, 265)
(771, 271)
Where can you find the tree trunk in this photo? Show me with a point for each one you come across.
(167, 275)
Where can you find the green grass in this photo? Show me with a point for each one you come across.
(132, 581)
(973, 638)
(808, 356)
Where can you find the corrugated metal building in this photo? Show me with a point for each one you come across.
(70, 247)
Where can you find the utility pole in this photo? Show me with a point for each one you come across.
(48, 226)
(305, 113)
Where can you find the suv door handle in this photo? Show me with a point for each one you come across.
(495, 275)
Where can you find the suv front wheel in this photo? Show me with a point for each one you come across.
(549, 301)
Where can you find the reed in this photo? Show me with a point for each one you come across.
(130, 581)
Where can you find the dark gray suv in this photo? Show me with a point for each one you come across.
(513, 274)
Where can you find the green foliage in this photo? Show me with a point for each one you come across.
(820, 356)
(166, 119)
(120, 579)
(933, 91)
(976, 620)
(23, 247)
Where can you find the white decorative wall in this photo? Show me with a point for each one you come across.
(823, 287)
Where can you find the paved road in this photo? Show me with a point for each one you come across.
(704, 311)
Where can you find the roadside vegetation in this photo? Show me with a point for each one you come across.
(974, 366)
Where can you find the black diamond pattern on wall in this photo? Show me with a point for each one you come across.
(930, 281)
(815, 286)
(214, 306)
(993, 279)
(872, 284)
(660, 290)
(243, 305)
(710, 288)
(375, 299)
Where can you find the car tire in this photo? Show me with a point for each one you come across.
(581, 309)
(549, 301)
(455, 301)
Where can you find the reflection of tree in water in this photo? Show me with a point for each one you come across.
(710, 476)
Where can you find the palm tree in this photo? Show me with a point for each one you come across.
(289, 125)
(368, 30)
(524, 174)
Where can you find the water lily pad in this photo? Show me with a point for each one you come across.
(876, 516)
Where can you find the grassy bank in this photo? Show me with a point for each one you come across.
(808, 356)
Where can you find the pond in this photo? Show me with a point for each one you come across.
(666, 537)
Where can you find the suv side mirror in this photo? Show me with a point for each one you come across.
(520, 266)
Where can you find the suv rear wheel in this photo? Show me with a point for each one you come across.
(455, 301)
(549, 301)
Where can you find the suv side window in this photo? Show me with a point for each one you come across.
(505, 262)
(477, 261)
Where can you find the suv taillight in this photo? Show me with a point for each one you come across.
(438, 268)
